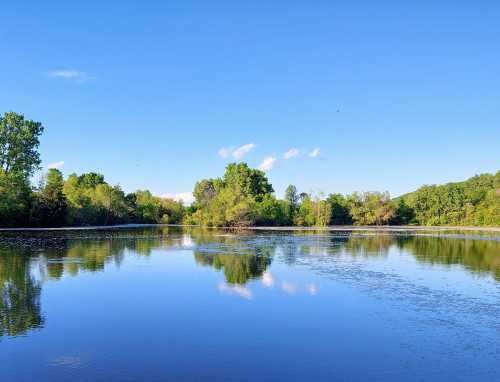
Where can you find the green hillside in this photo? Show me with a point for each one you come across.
(474, 202)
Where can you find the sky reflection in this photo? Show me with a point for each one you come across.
(153, 299)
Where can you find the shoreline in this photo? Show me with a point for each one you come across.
(271, 228)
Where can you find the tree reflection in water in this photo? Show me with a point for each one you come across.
(19, 295)
(238, 269)
(241, 256)
(477, 256)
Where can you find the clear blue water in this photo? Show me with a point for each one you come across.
(161, 304)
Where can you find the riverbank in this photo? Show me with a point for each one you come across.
(270, 228)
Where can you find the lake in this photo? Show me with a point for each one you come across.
(171, 304)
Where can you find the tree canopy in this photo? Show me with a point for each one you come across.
(242, 196)
(19, 141)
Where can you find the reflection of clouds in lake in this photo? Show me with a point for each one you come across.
(267, 279)
(288, 287)
(312, 289)
(66, 361)
(187, 241)
(238, 290)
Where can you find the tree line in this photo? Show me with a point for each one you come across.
(85, 199)
(244, 196)
(241, 197)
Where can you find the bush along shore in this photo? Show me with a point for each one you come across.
(242, 197)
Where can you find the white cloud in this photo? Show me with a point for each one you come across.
(238, 290)
(237, 153)
(56, 165)
(292, 153)
(267, 164)
(289, 288)
(267, 279)
(224, 152)
(183, 197)
(314, 153)
(312, 289)
(70, 74)
(241, 151)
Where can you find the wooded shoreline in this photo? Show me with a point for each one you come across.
(338, 228)
(241, 197)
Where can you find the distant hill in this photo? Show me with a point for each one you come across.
(475, 202)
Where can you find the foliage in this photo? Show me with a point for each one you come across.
(206, 189)
(404, 213)
(313, 212)
(93, 201)
(233, 200)
(474, 202)
(271, 211)
(238, 268)
(368, 208)
(241, 197)
(292, 200)
(19, 295)
(341, 213)
(15, 199)
(50, 204)
(19, 141)
(147, 207)
(246, 181)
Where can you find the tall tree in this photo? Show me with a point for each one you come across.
(292, 196)
(91, 179)
(248, 181)
(368, 208)
(292, 201)
(205, 190)
(19, 141)
(15, 200)
(50, 204)
(313, 212)
(340, 209)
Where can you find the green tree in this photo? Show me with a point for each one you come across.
(148, 207)
(313, 212)
(205, 190)
(90, 180)
(475, 201)
(292, 196)
(249, 182)
(19, 141)
(92, 201)
(50, 204)
(172, 211)
(369, 208)
(271, 211)
(292, 199)
(404, 214)
(340, 209)
(15, 200)
(112, 204)
(232, 200)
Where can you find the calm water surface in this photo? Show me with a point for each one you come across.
(161, 304)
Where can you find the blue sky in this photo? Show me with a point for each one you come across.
(392, 94)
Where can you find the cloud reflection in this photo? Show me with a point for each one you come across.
(312, 289)
(237, 290)
(268, 279)
(66, 361)
(288, 287)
